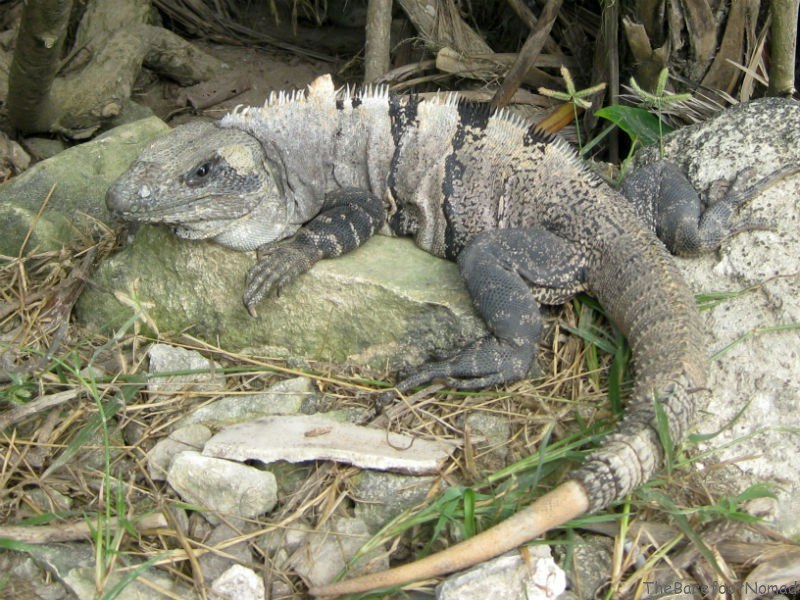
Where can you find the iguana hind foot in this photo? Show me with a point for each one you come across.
(667, 201)
(508, 273)
(487, 362)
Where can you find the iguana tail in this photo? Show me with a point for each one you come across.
(641, 290)
(567, 501)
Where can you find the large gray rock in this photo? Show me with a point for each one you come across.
(325, 552)
(78, 178)
(230, 488)
(508, 577)
(756, 330)
(385, 302)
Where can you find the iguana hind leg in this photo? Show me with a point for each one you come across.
(667, 201)
(508, 273)
(347, 219)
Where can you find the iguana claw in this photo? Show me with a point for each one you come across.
(278, 265)
(488, 362)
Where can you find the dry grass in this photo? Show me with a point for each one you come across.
(64, 473)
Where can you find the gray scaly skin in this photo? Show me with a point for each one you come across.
(314, 175)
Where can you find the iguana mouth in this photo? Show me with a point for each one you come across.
(146, 207)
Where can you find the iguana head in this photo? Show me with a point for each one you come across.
(207, 182)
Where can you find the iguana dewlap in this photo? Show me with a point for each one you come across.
(314, 175)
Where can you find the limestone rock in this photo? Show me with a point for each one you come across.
(284, 398)
(24, 578)
(324, 553)
(496, 429)
(316, 437)
(73, 564)
(214, 565)
(754, 333)
(78, 178)
(385, 303)
(169, 359)
(160, 457)
(238, 583)
(508, 577)
(381, 496)
(223, 486)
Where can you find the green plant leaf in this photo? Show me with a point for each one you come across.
(469, 528)
(640, 125)
(17, 546)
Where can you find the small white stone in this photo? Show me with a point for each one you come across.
(238, 583)
(508, 577)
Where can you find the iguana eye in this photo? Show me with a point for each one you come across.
(199, 174)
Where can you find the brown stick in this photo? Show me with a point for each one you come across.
(526, 16)
(530, 50)
(379, 24)
(439, 23)
(70, 532)
(23, 411)
(488, 67)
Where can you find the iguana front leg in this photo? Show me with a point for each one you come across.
(669, 204)
(508, 273)
(347, 219)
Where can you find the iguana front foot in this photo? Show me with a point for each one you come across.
(278, 264)
(347, 218)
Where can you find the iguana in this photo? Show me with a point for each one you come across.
(312, 175)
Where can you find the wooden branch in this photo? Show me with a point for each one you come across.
(70, 532)
(492, 66)
(439, 24)
(36, 61)
(530, 51)
(724, 73)
(649, 62)
(783, 43)
(379, 24)
(78, 104)
(23, 411)
(526, 16)
(606, 69)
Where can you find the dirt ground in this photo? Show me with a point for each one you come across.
(263, 70)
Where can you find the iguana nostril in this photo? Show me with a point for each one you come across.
(116, 200)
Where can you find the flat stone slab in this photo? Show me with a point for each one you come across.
(314, 437)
